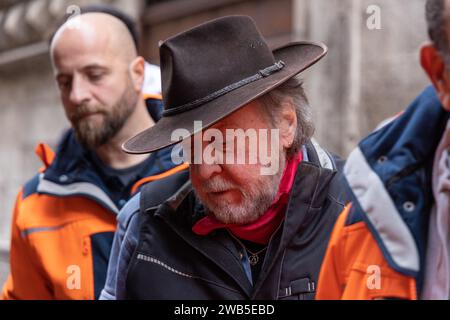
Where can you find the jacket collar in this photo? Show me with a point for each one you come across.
(72, 173)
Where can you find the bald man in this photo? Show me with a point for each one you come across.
(65, 217)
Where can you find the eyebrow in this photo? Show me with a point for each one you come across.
(224, 125)
(94, 66)
(86, 68)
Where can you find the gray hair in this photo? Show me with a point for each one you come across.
(272, 102)
(437, 29)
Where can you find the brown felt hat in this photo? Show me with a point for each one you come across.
(214, 69)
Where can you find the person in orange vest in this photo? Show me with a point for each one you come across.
(392, 240)
(64, 218)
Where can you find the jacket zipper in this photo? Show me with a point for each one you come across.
(146, 258)
(257, 288)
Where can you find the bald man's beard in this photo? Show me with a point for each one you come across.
(94, 134)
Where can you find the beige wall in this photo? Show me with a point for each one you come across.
(29, 113)
(368, 75)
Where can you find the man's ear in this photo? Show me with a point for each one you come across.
(137, 71)
(289, 122)
(434, 65)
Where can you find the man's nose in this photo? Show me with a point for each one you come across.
(207, 171)
(79, 91)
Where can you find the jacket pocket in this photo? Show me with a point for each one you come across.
(175, 283)
(372, 282)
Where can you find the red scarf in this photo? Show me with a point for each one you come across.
(262, 229)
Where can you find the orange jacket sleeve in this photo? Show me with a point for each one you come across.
(26, 280)
(352, 264)
(332, 273)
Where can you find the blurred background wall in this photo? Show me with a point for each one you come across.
(371, 72)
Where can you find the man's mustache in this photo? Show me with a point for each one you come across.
(218, 185)
(83, 111)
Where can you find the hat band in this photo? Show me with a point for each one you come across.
(277, 66)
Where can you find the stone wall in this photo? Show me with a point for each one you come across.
(368, 75)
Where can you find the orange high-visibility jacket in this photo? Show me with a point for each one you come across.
(352, 264)
(378, 246)
(63, 226)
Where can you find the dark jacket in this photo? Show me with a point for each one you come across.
(169, 261)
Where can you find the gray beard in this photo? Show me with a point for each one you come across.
(255, 202)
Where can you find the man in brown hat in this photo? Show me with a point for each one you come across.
(255, 217)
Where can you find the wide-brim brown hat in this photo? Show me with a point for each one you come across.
(214, 69)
